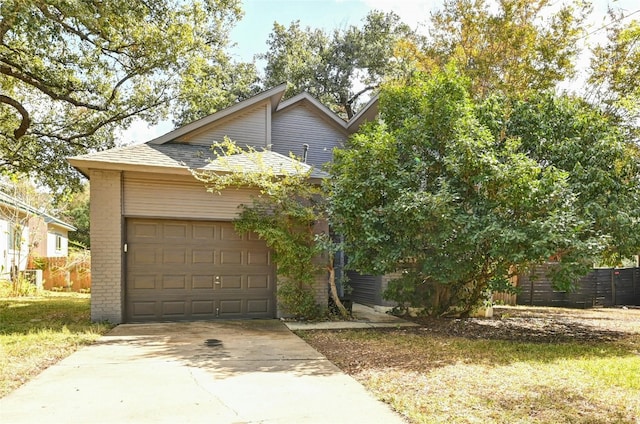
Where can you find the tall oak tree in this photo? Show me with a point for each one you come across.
(71, 72)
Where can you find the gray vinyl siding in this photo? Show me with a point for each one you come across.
(369, 289)
(250, 127)
(300, 124)
(178, 197)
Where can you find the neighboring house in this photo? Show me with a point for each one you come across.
(163, 248)
(50, 236)
(24, 231)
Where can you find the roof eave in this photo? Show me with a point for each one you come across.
(367, 113)
(274, 95)
(304, 96)
(27, 209)
(84, 166)
(57, 222)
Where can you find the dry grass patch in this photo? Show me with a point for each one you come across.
(532, 366)
(36, 332)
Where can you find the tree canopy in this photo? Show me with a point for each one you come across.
(456, 194)
(75, 211)
(520, 45)
(72, 72)
(339, 67)
(602, 164)
(615, 71)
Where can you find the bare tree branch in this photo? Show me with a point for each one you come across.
(15, 71)
(361, 92)
(115, 118)
(26, 120)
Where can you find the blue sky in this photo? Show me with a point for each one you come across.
(252, 32)
(250, 35)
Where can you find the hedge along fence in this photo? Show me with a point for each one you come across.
(71, 273)
(601, 287)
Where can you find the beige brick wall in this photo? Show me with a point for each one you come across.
(321, 283)
(320, 289)
(106, 246)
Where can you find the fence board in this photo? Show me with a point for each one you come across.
(56, 276)
(600, 288)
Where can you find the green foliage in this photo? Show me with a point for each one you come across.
(601, 163)
(444, 200)
(298, 299)
(19, 286)
(76, 213)
(508, 46)
(340, 67)
(615, 70)
(284, 214)
(208, 86)
(71, 72)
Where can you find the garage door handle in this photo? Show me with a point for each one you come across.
(217, 280)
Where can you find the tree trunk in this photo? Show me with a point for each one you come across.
(334, 290)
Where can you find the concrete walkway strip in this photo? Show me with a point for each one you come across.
(195, 372)
(363, 317)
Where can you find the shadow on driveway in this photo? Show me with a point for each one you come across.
(224, 348)
(195, 372)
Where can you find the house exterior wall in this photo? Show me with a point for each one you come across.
(106, 246)
(4, 245)
(38, 236)
(369, 289)
(298, 125)
(12, 257)
(384, 283)
(119, 195)
(251, 127)
(21, 256)
(175, 197)
(43, 238)
(53, 250)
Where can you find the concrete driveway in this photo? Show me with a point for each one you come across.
(195, 372)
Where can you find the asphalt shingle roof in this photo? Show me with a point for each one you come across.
(196, 157)
(13, 202)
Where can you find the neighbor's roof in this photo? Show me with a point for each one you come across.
(11, 201)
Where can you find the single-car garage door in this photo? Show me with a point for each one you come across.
(189, 270)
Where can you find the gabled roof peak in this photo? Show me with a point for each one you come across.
(274, 95)
(305, 96)
(368, 111)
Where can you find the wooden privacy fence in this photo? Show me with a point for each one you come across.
(64, 273)
(601, 287)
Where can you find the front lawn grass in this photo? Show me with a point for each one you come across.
(36, 332)
(446, 378)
